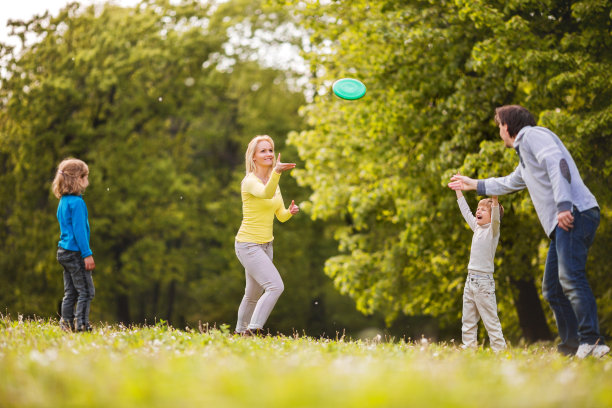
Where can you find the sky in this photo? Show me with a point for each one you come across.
(282, 56)
(25, 9)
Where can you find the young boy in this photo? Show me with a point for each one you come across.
(479, 292)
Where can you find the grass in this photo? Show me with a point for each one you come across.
(158, 366)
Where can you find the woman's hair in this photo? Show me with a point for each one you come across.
(250, 152)
(489, 203)
(68, 176)
(515, 116)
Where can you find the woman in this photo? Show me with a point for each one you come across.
(261, 199)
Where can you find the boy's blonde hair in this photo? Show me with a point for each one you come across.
(250, 152)
(489, 203)
(68, 176)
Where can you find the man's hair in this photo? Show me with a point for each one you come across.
(489, 203)
(515, 116)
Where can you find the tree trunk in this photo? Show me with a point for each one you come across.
(171, 296)
(123, 309)
(155, 301)
(530, 313)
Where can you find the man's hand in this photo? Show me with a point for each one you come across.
(459, 182)
(565, 220)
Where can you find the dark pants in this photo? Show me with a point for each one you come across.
(78, 287)
(565, 284)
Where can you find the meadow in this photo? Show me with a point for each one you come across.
(160, 366)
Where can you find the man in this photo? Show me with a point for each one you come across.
(569, 214)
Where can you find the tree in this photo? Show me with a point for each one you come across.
(118, 88)
(435, 71)
(161, 108)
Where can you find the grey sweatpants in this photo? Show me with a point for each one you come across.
(479, 302)
(263, 285)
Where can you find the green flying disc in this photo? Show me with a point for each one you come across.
(349, 88)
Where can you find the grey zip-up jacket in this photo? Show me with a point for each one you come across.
(548, 171)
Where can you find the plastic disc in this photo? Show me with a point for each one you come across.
(349, 88)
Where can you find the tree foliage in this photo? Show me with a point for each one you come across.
(161, 110)
(435, 71)
(161, 100)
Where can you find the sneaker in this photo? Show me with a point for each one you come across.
(595, 350)
(85, 328)
(255, 333)
(65, 326)
(584, 350)
(600, 350)
(567, 350)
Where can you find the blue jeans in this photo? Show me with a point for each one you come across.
(78, 287)
(565, 284)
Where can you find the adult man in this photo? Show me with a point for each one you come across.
(569, 214)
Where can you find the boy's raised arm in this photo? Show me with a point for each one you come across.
(463, 206)
(495, 215)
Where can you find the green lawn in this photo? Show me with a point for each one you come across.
(41, 366)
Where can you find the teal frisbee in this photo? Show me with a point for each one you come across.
(349, 88)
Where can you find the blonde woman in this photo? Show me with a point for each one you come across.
(261, 200)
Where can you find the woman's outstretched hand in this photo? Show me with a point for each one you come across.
(280, 167)
(293, 209)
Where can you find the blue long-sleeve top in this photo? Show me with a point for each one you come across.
(74, 224)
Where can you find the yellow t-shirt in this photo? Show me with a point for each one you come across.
(259, 204)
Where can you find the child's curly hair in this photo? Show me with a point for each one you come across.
(489, 203)
(68, 176)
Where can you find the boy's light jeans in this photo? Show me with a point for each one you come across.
(263, 285)
(479, 302)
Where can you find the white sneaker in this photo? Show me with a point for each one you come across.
(584, 350)
(600, 350)
(595, 350)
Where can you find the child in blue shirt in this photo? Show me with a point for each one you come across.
(73, 252)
